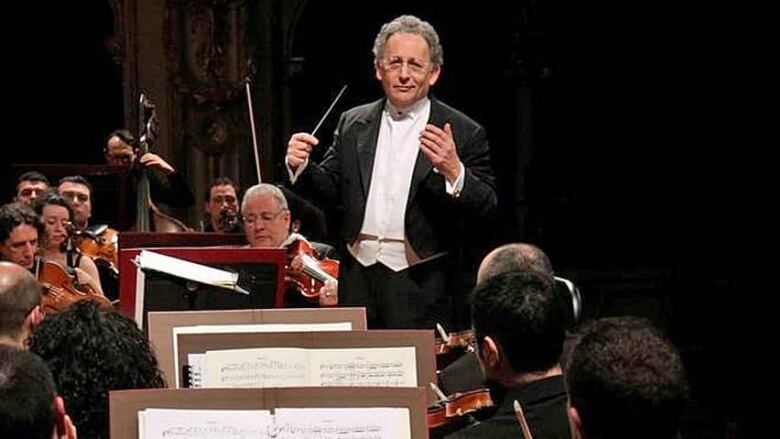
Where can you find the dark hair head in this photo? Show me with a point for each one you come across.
(626, 380)
(20, 293)
(51, 197)
(92, 350)
(14, 215)
(32, 176)
(78, 179)
(27, 395)
(220, 181)
(125, 136)
(519, 310)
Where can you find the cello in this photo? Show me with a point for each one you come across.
(148, 216)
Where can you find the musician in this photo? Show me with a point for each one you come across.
(91, 351)
(407, 171)
(19, 232)
(29, 186)
(20, 304)
(266, 218)
(55, 245)
(222, 207)
(625, 379)
(78, 192)
(29, 405)
(166, 185)
(519, 327)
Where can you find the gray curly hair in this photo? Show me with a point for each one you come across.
(409, 24)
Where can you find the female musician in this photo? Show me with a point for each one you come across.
(56, 215)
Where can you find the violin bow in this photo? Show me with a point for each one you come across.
(523, 423)
(332, 104)
(254, 132)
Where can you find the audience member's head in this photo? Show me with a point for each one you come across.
(19, 232)
(78, 192)
(20, 304)
(266, 216)
(27, 396)
(29, 185)
(93, 350)
(519, 327)
(625, 379)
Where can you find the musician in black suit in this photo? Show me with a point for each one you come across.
(407, 172)
(519, 327)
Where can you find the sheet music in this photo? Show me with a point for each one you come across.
(342, 423)
(197, 363)
(286, 423)
(248, 328)
(274, 367)
(188, 270)
(292, 367)
(204, 424)
(366, 367)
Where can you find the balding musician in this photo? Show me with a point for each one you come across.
(20, 304)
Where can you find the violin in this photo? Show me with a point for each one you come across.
(61, 288)
(450, 347)
(455, 411)
(306, 271)
(101, 243)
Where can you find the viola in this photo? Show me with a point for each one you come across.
(61, 288)
(456, 411)
(101, 243)
(306, 271)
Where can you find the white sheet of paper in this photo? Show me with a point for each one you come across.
(205, 424)
(343, 423)
(291, 367)
(249, 328)
(186, 269)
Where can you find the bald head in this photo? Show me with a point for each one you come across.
(20, 296)
(512, 258)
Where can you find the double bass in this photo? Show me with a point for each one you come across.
(149, 218)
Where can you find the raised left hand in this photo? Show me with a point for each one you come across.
(439, 146)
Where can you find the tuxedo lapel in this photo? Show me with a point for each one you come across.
(423, 166)
(365, 139)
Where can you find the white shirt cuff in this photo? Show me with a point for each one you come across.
(294, 175)
(455, 188)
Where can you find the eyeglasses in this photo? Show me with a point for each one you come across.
(396, 63)
(265, 217)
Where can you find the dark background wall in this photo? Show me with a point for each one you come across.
(626, 138)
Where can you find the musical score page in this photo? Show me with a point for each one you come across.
(296, 367)
(204, 424)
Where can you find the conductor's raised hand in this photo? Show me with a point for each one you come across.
(439, 146)
(299, 148)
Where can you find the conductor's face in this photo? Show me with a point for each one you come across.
(406, 70)
(266, 223)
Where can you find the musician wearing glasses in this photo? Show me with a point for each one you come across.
(407, 172)
(266, 217)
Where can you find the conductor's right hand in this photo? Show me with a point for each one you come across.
(299, 148)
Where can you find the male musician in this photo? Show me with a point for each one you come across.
(625, 379)
(29, 186)
(20, 304)
(266, 218)
(78, 192)
(408, 172)
(19, 231)
(166, 184)
(222, 207)
(519, 327)
(29, 405)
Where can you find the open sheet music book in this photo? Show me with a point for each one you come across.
(285, 423)
(189, 270)
(297, 367)
(196, 362)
